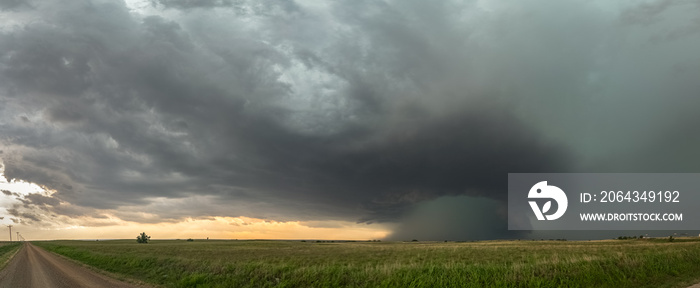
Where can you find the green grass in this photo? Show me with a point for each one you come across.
(209, 263)
(7, 250)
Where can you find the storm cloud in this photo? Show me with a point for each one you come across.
(354, 110)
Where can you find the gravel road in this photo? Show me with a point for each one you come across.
(34, 267)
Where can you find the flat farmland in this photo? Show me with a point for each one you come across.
(218, 263)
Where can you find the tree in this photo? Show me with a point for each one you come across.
(143, 238)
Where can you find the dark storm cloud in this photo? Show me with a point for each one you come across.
(14, 4)
(40, 200)
(193, 4)
(22, 215)
(455, 218)
(350, 110)
(240, 7)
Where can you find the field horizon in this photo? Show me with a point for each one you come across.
(674, 235)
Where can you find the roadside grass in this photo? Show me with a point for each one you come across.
(7, 250)
(213, 263)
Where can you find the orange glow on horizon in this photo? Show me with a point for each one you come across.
(214, 228)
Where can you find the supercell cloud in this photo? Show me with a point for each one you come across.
(401, 112)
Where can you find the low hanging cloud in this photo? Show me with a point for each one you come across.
(359, 111)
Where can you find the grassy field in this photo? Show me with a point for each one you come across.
(7, 250)
(210, 263)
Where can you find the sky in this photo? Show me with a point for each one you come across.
(286, 119)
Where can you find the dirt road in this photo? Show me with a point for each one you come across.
(34, 267)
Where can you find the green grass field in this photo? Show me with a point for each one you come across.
(210, 263)
(7, 250)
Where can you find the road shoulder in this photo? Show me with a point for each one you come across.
(7, 257)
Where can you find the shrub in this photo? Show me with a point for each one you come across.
(143, 238)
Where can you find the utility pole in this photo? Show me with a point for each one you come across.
(10, 226)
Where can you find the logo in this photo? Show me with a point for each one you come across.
(543, 191)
